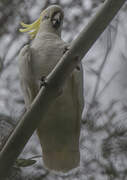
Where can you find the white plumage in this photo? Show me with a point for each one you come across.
(59, 131)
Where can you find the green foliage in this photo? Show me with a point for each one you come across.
(25, 162)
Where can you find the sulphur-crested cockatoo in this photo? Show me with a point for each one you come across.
(59, 131)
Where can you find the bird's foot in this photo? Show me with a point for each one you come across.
(66, 48)
(42, 81)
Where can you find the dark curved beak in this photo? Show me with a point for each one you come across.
(56, 20)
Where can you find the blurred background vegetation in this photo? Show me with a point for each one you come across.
(103, 143)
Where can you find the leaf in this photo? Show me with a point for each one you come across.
(25, 162)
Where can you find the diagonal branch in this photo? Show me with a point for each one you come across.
(54, 81)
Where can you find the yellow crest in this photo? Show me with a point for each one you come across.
(33, 28)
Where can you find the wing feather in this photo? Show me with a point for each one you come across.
(28, 82)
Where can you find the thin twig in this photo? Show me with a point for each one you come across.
(107, 84)
(100, 71)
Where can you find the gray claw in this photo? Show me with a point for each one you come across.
(43, 82)
(66, 48)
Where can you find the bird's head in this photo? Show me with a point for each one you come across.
(50, 19)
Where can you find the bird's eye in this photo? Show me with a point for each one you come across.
(56, 19)
(45, 17)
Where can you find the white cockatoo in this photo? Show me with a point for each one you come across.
(60, 130)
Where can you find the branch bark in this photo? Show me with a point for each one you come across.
(54, 81)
